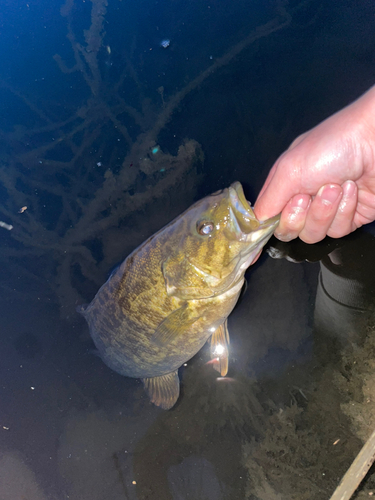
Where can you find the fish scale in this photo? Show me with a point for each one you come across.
(176, 291)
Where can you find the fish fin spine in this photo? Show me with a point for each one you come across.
(174, 325)
(163, 390)
(81, 309)
(220, 348)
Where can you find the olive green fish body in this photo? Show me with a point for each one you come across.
(175, 291)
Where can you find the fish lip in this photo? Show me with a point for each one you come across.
(260, 236)
(270, 223)
(255, 241)
(245, 224)
(238, 192)
(241, 210)
(247, 228)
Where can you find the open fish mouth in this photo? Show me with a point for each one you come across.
(242, 213)
(247, 229)
(248, 234)
(244, 222)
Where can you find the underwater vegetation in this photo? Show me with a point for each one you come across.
(68, 212)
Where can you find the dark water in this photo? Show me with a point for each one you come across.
(79, 117)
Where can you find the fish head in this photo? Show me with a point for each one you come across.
(220, 237)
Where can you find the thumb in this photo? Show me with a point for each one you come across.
(278, 189)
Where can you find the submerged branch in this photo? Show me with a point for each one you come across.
(92, 200)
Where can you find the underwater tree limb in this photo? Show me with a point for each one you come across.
(120, 126)
(86, 55)
(60, 159)
(172, 104)
(357, 471)
(114, 193)
(111, 189)
(29, 103)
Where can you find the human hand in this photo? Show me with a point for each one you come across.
(324, 184)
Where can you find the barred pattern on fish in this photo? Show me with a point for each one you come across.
(176, 290)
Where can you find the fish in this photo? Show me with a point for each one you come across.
(175, 292)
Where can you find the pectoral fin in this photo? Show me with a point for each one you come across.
(173, 325)
(164, 390)
(219, 348)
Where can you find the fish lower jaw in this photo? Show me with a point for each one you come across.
(249, 258)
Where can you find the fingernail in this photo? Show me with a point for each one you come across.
(329, 194)
(284, 237)
(348, 189)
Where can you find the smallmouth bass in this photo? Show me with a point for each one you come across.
(175, 291)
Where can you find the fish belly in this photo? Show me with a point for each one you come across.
(128, 348)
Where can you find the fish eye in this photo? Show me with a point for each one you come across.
(205, 227)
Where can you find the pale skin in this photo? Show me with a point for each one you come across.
(324, 184)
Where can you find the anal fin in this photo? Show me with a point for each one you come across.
(219, 348)
(164, 390)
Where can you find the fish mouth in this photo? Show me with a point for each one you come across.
(242, 213)
(244, 222)
(247, 229)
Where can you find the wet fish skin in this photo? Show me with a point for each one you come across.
(176, 290)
